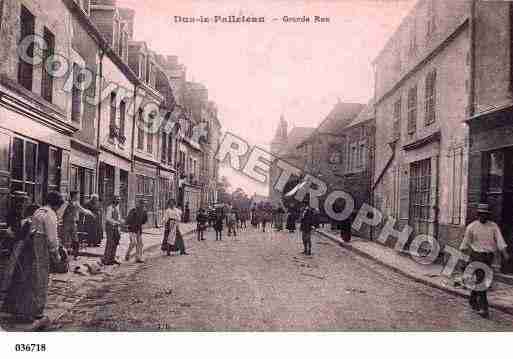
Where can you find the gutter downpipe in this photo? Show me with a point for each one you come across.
(99, 115)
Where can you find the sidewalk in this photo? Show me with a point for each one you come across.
(65, 290)
(500, 295)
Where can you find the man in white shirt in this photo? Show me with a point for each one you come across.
(112, 222)
(483, 238)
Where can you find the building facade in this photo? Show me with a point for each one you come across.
(104, 121)
(422, 100)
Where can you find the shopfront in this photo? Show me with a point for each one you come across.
(33, 159)
(146, 190)
(491, 170)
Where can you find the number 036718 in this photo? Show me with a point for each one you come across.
(30, 347)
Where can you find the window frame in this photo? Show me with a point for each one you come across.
(412, 109)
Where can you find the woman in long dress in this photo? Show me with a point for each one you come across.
(27, 289)
(172, 234)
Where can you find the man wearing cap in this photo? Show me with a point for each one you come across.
(483, 238)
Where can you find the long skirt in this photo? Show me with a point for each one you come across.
(169, 236)
(94, 230)
(27, 289)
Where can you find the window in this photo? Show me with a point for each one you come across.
(140, 131)
(122, 121)
(163, 156)
(149, 138)
(412, 48)
(26, 69)
(396, 131)
(431, 19)
(24, 167)
(148, 70)
(142, 66)
(113, 113)
(76, 97)
(170, 149)
(412, 110)
(47, 80)
(430, 98)
(420, 195)
(362, 163)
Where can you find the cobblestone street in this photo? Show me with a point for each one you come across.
(262, 282)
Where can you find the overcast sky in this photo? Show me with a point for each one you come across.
(255, 72)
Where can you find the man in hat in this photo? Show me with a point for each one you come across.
(483, 238)
(307, 222)
(70, 217)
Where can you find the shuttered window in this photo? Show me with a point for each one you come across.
(420, 196)
(47, 80)
(76, 97)
(140, 131)
(396, 126)
(26, 69)
(122, 121)
(113, 111)
(430, 98)
(412, 110)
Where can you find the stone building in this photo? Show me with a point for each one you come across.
(35, 109)
(422, 90)
(490, 61)
(95, 126)
(283, 147)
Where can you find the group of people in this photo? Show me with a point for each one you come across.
(38, 239)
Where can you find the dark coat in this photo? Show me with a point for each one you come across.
(136, 219)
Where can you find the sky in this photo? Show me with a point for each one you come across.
(257, 72)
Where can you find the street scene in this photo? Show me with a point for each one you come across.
(279, 167)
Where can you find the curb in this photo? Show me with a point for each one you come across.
(361, 253)
(149, 248)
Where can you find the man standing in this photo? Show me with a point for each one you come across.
(70, 218)
(307, 221)
(201, 222)
(483, 238)
(137, 217)
(112, 223)
(94, 225)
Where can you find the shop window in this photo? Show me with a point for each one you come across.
(47, 80)
(496, 171)
(24, 166)
(26, 69)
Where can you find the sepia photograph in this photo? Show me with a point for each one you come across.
(236, 166)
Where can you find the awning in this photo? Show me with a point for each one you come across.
(296, 189)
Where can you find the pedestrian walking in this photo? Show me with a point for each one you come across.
(70, 217)
(137, 217)
(278, 218)
(201, 223)
(173, 241)
(218, 224)
(112, 230)
(483, 239)
(254, 217)
(291, 220)
(307, 223)
(231, 223)
(93, 225)
(25, 283)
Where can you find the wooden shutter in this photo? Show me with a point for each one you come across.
(65, 173)
(5, 146)
(434, 210)
(404, 192)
